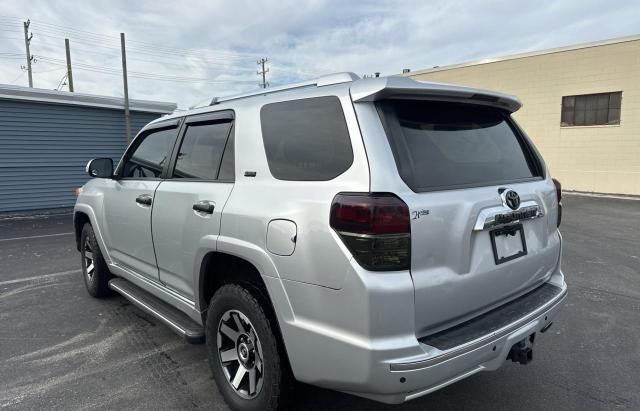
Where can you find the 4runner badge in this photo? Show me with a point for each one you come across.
(419, 213)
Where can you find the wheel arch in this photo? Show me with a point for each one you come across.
(219, 268)
(80, 218)
(83, 214)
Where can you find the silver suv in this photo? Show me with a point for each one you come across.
(381, 237)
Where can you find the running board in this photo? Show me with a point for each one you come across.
(174, 318)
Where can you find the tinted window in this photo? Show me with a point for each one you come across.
(148, 159)
(201, 151)
(306, 139)
(438, 145)
(591, 109)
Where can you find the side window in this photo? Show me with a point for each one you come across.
(150, 156)
(306, 139)
(202, 150)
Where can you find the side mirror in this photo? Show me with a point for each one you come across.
(100, 167)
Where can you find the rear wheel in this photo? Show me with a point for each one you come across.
(94, 269)
(247, 361)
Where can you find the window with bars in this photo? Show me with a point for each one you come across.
(591, 109)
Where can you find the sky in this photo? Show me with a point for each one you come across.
(188, 51)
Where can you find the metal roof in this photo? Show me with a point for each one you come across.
(527, 54)
(10, 92)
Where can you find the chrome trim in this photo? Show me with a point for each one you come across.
(417, 394)
(487, 339)
(380, 236)
(487, 217)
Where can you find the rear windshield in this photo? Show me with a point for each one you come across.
(439, 145)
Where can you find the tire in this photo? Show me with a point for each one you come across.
(233, 307)
(94, 269)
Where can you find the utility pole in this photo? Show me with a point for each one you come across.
(126, 88)
(263, 72)
(69, 74)
(27, 41)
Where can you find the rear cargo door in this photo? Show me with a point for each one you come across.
(482, 232)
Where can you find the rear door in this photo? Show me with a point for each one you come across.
(129, 198)
(481, 232)
(188, 203)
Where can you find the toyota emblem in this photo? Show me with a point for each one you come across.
(511, 199)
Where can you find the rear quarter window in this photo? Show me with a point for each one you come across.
(306, 140)
(441, 145)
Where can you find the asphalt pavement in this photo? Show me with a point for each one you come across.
(61, 349)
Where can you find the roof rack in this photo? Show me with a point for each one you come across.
(326, 80)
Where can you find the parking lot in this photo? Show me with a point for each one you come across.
(61, 349)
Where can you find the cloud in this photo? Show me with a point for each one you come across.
(189, 51)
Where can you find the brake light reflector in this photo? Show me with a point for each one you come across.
(375, 227)
(559, 197)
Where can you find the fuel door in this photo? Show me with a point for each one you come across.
(282, 237)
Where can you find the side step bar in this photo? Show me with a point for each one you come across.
(174, 318)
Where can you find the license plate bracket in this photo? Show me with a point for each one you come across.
(508, 243)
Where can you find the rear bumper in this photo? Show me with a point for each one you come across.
(444, 367)
(397, 367)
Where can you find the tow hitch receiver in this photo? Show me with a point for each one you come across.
(522, 351)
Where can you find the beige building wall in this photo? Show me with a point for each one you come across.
(604, 159)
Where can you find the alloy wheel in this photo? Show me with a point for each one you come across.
(240, 354)
(87, 256)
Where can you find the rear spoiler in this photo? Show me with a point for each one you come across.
(396, 87)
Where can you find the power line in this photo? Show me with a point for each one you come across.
(61, 31)
(113, 53)
(155, 45)
(18, 78)
(149, 76)
(107, 45)
(47, 71)
(156, 53)
(224, 59)
(62, 81)
(160, 61)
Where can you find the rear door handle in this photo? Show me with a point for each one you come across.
(204, 207)
(144, 199)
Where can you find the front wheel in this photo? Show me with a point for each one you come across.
(94, 269)
(246, 358)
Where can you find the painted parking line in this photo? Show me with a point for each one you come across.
(39, 277)
(9, 217)
(34, 236)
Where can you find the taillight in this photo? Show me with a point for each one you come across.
(559, 197)
(375, 227)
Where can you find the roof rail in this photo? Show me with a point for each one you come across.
(321, 81)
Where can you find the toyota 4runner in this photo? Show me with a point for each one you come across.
(382, 237)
